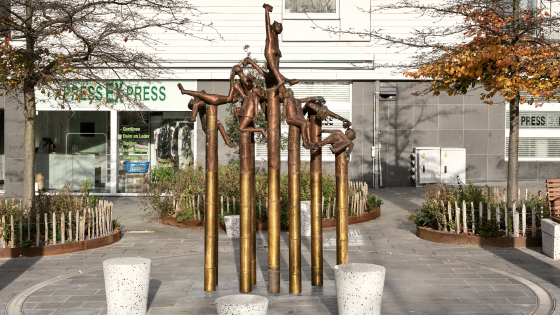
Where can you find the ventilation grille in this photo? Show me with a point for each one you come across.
(537, 147)
(333, 92)
(337, 95)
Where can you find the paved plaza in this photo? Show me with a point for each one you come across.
(422, 277)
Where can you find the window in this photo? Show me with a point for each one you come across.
(338, 97)
(310, 6)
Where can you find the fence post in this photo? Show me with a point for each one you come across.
(472, 217)
(77, 225)
(449, 214)
(46, 229)
(524, 219)
(62, 229)
(13, 242)
(457, 219)
(70, 225)
(506, 218)
(111, 217)
(444, 216)
(37, 229)
(497, 215)
(198, 206)
(4, 245)
(515, 224)
(20, 229)
(480, 211)
(54, 228)
(464, 208)
(533, 222)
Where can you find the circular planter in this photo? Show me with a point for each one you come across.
(263, 226)
(61, 249)
(476, 241)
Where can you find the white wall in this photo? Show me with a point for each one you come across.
(304, 50)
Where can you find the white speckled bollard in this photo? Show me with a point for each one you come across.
(359, 288)
(305, 218)
(550, 238)
(127, 281)
(242, 304)
(232, 225)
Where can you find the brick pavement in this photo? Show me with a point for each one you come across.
(422, 277)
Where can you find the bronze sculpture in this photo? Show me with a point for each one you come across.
(199, 106)
(310, 130)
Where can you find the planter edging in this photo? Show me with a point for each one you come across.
(60, 249)
(477, 241)
(263, 226)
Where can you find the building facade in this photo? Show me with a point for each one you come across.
(95, 144)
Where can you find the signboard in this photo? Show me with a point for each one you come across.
(537, 119)
(156, 95)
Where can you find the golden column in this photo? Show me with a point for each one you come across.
(273, 139)
(341, 172)
(211, 200)
(253, 215)
(316, 181)
(245, 205)
(294, 210)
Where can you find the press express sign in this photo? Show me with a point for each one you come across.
(537, 119)
(158, 95)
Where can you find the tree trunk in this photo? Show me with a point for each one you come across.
(29, 143)
(513, 150)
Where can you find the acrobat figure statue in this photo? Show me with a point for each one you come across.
(323, 112)
(272, 52)
(199, 106)
(339, 140)
(215, 99)
(249, 111)
(293, 115)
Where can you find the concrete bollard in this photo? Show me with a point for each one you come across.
(242, 304)
(550, 238)
(359, 288)
(232, 225)
(127, 281)
(305, 218)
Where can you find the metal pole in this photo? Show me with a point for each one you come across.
(245, 212)
(341, 172)
(316, 204)
(253, 215)
(211, 200)
(273, 138)
(294, 208)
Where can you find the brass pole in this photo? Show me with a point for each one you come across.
(253, 215)
(316, 204)
(341, 170)
(294, 208)
(245, 212)
(211, 200)
(273, 138)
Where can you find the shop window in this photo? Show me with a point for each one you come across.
(72, 148)
(151, 139)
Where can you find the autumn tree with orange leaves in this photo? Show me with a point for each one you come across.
(505, 47)
(46, 43)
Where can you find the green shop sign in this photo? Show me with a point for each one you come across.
(163, 95)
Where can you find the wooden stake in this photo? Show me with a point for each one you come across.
(524, 221)
(227, 204)
(515, 224)
(54, 228)
(70, 225)
(20, 229)
(46, 229)
(77, 225)
(62, 229)
(464, 208)
(497, 214)
(504, 196)
(449, 214)
(506, 219)
(29, 225)
(472, 217)
(12, 239)
(198, 205)
(222, 205)
(480, 212)
(533, 222)
(37, 229)
(457, 219)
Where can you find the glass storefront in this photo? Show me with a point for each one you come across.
(112, 147)
(152, 139)
(72, 148)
